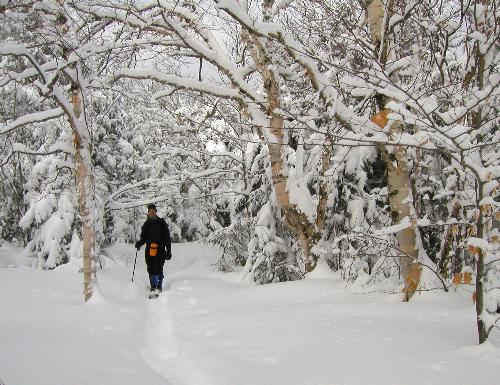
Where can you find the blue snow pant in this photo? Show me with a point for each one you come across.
(155, 269)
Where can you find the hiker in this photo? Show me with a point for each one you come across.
(156, 236)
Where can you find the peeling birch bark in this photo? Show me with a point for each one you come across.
(307, 233)
(401, 203)
(444, 256)
(84, 183)
(376, 11)
(398, 178)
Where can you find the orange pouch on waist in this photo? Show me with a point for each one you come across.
(153, 249)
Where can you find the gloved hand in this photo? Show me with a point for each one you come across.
(168, 255)
(138, 245)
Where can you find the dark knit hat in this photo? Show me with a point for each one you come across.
(151, 206)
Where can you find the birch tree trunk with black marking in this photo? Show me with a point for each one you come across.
(400, 193)
(84, 182)
(307, 233)
(85, 195)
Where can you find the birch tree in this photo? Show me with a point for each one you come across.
(49, 51)
(447, 91)
(400, 194)
(481, 82)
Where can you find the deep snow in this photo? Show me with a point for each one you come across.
(209, 329)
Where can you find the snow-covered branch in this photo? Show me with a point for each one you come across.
(35, 117)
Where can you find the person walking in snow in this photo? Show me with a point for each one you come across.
(156, 236)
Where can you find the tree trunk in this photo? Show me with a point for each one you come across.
(475, 77)
(82, 156)
(307, 233)
(448, 239)
(401, 204)
(83, 162)
(481, 327)
(323, 189)
(398, 178)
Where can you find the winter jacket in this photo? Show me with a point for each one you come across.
(156, 231)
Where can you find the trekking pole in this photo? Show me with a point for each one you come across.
(134, 265)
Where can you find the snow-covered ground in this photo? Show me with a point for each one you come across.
(208, 329)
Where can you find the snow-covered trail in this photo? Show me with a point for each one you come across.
(162, 348)
(208, 330)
